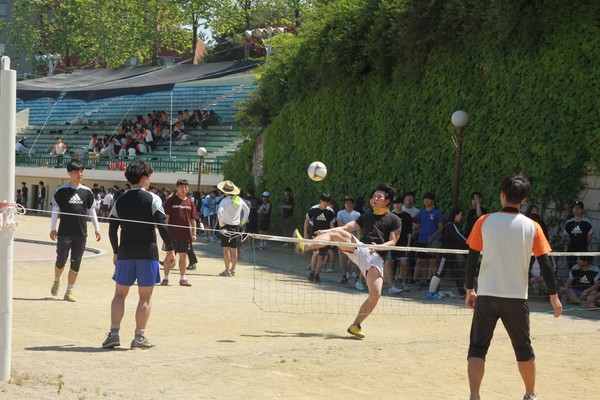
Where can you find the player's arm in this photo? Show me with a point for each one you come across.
(471, 296)
(113, 228)
(54, 220)
(393, 239)
(91, 212)
(548, 275)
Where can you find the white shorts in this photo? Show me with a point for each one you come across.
(362, 257)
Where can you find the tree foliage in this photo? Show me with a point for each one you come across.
(368, 88)
(100, 33)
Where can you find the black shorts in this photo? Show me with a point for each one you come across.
(231, 237)
(73, 244)
(398, 254)
(322, 251)
(424, 255)
(514, 314)
(263, 223)
(180, 247)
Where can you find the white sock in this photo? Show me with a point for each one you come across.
(70, 287)
(183, 278)
(433, 285)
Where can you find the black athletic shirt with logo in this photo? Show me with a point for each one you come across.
(320, 218)
(136, 212)
(73, 200)
(376, 229)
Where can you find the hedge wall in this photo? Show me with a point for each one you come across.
(369, 86)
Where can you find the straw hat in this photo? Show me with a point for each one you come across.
(228, 187)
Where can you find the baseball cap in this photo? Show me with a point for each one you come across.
(266, 194)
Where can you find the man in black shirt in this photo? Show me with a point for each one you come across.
(138, 213)
(319, 217)
(287, 210)
(475, 212)
(378, 228)
(74, 202)
(578, 231)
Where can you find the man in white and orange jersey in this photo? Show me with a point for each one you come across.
(507, 239)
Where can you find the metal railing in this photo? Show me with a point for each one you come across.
(160, 164)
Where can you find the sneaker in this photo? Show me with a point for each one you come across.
(359, 286)
(55, 288)
(433, 296)
(184, 282)
(530, 397)
(141, 342)
(161, 262)
(317, 278)
(225, 273)
(441, 293)
(353, 275)
(298, 246)
(344, 280)
(536, 288)
(69, 297)
(450, 294)
(405, 287)
(165, 282)
(112, 341)
(330, 270)
(311, 276)
(191, 267)
(232, 272)
(355, 331)
(394, 290)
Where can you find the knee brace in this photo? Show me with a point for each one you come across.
(75, 266)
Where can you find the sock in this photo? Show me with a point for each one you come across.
(70, 288)
(57, 279)
(140, 333)
(183, 277)
(433, 285)
(114, 328)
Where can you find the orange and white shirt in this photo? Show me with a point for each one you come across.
(506, 240)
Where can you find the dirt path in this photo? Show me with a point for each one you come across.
(213, 342)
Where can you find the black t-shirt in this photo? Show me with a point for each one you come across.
(471, 218)
(578, 232)
(583, 279)
(136, 212)
(320, 218)
(407, 222)
(287, 212)
(73, 200)
(376, 229)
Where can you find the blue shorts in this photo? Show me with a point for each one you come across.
(146, 272)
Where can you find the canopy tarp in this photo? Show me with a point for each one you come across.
(96, 84)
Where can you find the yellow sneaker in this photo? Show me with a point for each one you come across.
(355, 331)
(55, 287)
(69, 297)
(299, 246)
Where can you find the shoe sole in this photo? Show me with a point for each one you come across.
(111, 346)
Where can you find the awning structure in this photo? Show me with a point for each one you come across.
(96, 84)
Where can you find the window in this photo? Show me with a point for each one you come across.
(2, 11)
(2, 49)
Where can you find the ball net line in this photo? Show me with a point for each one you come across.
(281, 278)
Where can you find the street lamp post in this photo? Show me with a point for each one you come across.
(51, 61)
(201, 154)
(459, 119)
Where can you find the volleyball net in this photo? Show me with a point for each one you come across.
(283, 282)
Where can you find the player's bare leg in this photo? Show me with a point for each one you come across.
(375, 284)
(527, 370)
(475, 369)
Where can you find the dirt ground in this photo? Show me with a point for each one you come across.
(213, 342)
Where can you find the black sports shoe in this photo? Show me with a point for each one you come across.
(311, 276)
(317, 278)
(344, 280)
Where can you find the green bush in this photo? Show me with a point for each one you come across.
(368, 88)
